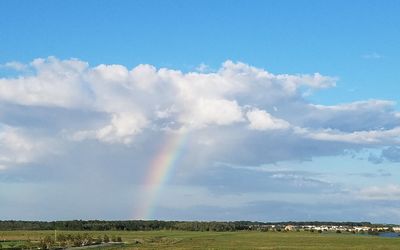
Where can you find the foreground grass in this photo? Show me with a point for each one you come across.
(226, 240)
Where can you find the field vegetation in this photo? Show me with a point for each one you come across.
(172, 239)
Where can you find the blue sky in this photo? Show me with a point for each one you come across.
(298, 98)
(331, 37)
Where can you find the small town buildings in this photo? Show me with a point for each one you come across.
(396, 229)
(290, 228)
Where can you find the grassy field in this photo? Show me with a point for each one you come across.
(226, 240)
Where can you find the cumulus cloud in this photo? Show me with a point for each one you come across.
(121, 129)
(261, 120)
(134, 98)
(125, 103)
(209, 111)
(56, 83)
(17, 148)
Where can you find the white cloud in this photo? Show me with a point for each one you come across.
(110, 73)
(261, 120)
(57, 83)
(212, 111)
(377, 137)
(388, 192)
(121, 129)
(144, 98)
(370, 115)
(15, 66)
(198, 100)
(358, 105)
(317, 81)
(17, 148)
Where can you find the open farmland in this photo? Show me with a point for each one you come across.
(220, 240)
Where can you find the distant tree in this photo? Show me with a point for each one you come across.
(338, 231)
(320, 231)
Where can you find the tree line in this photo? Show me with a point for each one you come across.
(148, 225)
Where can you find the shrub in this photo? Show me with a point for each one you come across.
(106, 238)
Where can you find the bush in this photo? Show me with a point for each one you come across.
(98, 240)
(106, 238)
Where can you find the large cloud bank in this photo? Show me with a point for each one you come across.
(248, 102)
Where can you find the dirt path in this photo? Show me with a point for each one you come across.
(95, 246)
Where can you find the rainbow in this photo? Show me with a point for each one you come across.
(159, 171)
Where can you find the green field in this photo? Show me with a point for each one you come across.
(224, 240)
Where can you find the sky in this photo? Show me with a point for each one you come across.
(200, 110)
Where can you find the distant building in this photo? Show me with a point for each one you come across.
(290, 228)
(396, 229)
(359, 229)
